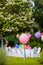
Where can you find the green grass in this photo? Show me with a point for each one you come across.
(21, 61)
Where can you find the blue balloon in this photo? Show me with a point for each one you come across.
(20, 46)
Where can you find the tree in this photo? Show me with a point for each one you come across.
(16, 16)
(38, 13)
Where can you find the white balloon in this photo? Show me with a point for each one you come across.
(42, 37)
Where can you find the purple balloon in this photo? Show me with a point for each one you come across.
(37, 35)
(16, 46)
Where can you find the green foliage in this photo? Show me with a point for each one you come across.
(16, 15)
(2, 57)
(10, 37)
(41, 59)
(38, 13)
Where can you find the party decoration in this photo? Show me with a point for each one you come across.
(23, 38)
(22, 46)
(42, 33)
(42, 36)
(37, 35)
(17, 35)
(25, 46)
(29, 35)
(28, 47)
(16, 46)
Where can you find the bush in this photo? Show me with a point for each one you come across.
(41, 59)
(2, 57)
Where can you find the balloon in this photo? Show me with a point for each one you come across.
(16, 46)
(28, 47)
(42, 33)
(23, 38)
(37, 35)
(42, 36)
(22, 46)
(25, 46)
(29, 35)
(17, 35)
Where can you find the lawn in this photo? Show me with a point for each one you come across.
(21, 61)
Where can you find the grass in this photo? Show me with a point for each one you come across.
(21, 61)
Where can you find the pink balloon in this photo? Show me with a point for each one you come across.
(29, 35)
(28, 47)
(23, 38)
(25, 46)
(42, 33)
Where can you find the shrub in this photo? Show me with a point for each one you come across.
(2, 57)
(41, 59)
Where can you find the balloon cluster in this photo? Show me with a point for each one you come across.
(39, 35)
(22, 46)
(24, 38)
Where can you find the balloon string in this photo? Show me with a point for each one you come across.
(24, 53)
